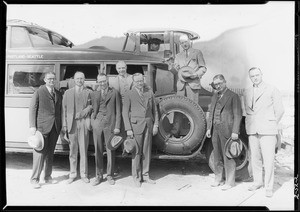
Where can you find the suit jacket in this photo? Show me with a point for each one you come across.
(114, 82)
(264, 115)
(196, 61)
(231, 112)
(111, 118)
(44, 112)
(138, 114)
(69, 107)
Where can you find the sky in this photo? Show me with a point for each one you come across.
(82, 23)
(271, 40)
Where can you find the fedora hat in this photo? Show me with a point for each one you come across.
(185, 72)
(130, 145)
(233, 148)
(114, 142)
(36, 141)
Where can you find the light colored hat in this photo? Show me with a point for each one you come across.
(114, 142)
(36, 141)
(185, 72)
(130, 145)
(233, 148)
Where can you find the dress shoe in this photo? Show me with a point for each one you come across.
(70, 180)
(226, 187)
(110, 180)
(137, 183)
(150, 181)
(85, 179)
(254, 187)
(36, 185)
(216, 184)
(97, 181)
(269, 193)
(51, 181)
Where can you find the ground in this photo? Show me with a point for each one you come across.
(173, 188)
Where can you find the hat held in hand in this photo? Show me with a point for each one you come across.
(233, 148)
(36, 141)
(130, 145)
(185, 72)
(114, 142)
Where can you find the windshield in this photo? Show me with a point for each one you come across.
(130, 43)
(35, 37)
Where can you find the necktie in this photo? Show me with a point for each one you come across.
(254, 95)
(103, 94)
(142, 95)
(52, 93)
(186, 54)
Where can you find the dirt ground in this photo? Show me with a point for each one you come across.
(173, 186)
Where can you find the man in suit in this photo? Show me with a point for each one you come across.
(76, 114)
(264, 110)
(123, 82)
(225, 115)
(45, 115)
(141, 122)
(106, 119)
(192, 58)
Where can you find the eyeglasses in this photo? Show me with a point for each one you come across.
(218, 84)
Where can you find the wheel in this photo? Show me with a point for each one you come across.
(242, 161)
(192, 125)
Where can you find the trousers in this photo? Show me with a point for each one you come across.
(262, 148)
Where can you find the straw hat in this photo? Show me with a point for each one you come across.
(36, 141)
(114, 142)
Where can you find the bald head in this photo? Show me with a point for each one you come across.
(185, 42)
(121, 68)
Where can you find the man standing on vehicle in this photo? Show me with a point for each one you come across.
(106, 120)
(225, 115)
(45, 115)
(76, 116)
(191, 59)
(264, 110)
(123, 84)
(124, 80)
(141, 122)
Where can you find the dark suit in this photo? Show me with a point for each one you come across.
(45, 114)
(228, 122)
(105, 118)
(139, 117)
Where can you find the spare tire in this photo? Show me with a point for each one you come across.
(193, 125)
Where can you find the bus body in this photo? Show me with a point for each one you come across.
(32, 50)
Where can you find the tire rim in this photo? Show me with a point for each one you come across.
(173, 139)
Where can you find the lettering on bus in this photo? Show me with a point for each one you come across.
(25, 56)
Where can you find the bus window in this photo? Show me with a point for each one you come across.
(59, 41)
(19, 38)
(90, 71)
(25, 79)
(39, 37)
(131, 69)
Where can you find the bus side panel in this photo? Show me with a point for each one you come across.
(16, 127)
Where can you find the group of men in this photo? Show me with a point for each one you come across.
(128, 108)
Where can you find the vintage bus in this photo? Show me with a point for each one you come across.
(32, 50)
